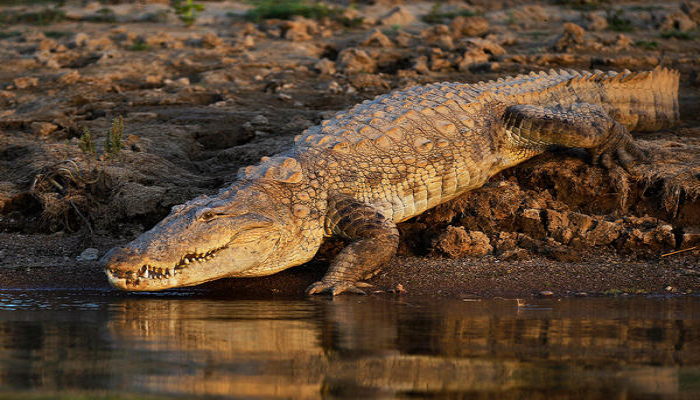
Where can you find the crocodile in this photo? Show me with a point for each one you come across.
(359, 173)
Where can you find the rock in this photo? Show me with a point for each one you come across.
(679, 21)
(692, 8)
(596, 22)
(377, 39)
(572, 37)
(457, 242)
(399, 289)
(211, 41)
(478, 51)
(80, 39)
(439, 60)
(488, 46)
(133, 142)
(622, 42)
(469, 26)
(530, 16)
(369, 81)
(325, 66)
(580, 224)
(399, 16)
(300, 29)
(247, 42)
(505, 241)
(259, 120)
(352, 60)
(515, 255)
(43, 128)
(420, 65)
(102, 43)
(438, 35)
(531, 222)
(691, 237)
(405, 39)
(331, 87)
(25, 82)
(299, 123)
(180, 82)
(89, 254)
(69, 78)
(558, 226)
(604, 233)
(158, 40)
(47, 45)
(546, 293)
(661, 236)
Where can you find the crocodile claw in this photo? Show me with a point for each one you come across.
(337, 287)
(622, 151)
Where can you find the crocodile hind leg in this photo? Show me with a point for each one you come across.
(375, 240)
(534, 128)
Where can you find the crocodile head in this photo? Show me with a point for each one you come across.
(240, 232)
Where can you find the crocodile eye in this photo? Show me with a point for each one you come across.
(206, 216)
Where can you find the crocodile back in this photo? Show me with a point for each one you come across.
(412, 149)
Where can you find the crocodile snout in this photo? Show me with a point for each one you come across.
(123, 261)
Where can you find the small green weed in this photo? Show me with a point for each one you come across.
(645, 8)
(676, 34)
(582, 5)
(187, 10)
(647, 44)
(511, 20)
(113, 144)
(435, 16)
(618, 23)
(9, 34)
(57, 34)
(44, 17)
(286, 9)
(102, 15)
(612, 292)
(139, 45)
(537, 34)
(86, 144)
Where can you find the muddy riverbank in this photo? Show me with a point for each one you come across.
(199, 102)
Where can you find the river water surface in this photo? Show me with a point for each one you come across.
(103, 344)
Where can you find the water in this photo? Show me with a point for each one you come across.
(102, 344)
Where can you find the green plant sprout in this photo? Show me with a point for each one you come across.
(113, 143)
(187, 11)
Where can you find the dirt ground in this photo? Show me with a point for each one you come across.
(198, 102)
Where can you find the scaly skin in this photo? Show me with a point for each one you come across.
(384, 161)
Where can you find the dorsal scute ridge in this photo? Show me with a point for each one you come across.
(281, 168)
(387, 117)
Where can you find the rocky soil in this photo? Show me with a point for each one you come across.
(199, 102)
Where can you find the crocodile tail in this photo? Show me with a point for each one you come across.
(643, 101)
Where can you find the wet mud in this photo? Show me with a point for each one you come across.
(199, 102)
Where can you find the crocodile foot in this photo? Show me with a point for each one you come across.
(619, 150)
(337, 287)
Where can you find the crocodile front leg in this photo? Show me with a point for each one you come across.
(375, 240)
(534, 128)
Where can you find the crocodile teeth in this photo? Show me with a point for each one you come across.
(187, 260)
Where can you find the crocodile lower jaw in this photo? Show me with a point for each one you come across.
(152, 277)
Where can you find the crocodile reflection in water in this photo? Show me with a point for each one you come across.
(286, 350)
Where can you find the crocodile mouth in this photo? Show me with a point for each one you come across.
(151, 276)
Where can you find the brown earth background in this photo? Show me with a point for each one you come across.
(198, 102)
